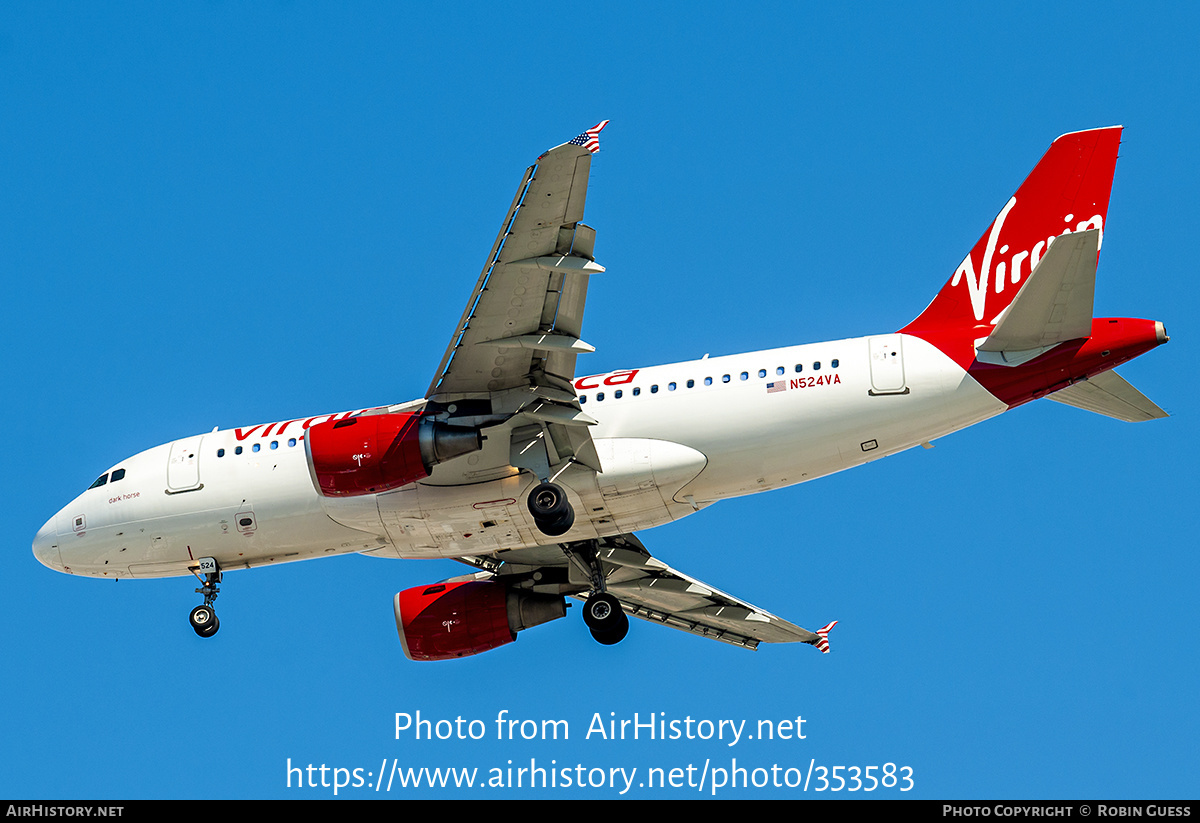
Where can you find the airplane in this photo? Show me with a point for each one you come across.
(538, 479)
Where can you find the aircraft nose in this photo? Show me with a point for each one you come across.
(45, 546)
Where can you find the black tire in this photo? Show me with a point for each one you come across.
(613, 636)
(554, 528)
(210, 629)
(202, 617)
(602, 613)
(548, 503)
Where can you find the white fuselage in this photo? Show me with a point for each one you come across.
(671, 439)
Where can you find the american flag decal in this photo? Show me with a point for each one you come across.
(590, 139)
(823, 637)
(778, 385)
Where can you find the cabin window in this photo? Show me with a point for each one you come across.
(654, 389)
(238, 450)
(780, 370)
(762, 372)
(256, 447)
(637, 390)
(617, 394)
(833, 363)
(817, 366)
(220, 452)
(691, 383)
(708, 381)
(744, 376)
(582, 399)
(599, 396)
(291, 441)
(799, 368)
(670, 387)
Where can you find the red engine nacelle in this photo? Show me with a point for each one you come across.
(376, 452)
(448, 620)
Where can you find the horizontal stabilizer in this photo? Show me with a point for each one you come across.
(1110, 394)
(1055, 303)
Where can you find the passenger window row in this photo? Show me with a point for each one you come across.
(708, 381)
(274, 444)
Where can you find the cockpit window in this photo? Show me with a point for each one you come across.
(100, 481)
(117, 475)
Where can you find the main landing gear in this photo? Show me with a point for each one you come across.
(204, 618)
(605, 618)
(552, 512)
(553, 515)
(602, 613)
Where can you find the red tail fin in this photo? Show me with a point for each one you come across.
(1067, 191)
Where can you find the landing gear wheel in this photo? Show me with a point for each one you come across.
(212, 628)
(602, 613)
(204, 621)
(553, 528)
(613, 637)
(552, 512)
(548, 501)
(604, 617)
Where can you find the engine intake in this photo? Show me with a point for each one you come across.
(448, 620)
(376, 452)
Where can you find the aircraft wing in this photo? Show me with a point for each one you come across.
(511, 361)
(648, 589)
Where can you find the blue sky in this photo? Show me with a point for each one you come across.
(213, 215)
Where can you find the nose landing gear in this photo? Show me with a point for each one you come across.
(204, 621)
(204, 618)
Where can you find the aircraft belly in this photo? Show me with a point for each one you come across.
(171, 547)
(479, 518)
(641, 478)
(635, 491)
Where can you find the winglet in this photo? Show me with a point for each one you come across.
(823, 637)
(590, 139)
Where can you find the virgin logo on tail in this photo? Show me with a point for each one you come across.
(1013, 268)
(1066, 192)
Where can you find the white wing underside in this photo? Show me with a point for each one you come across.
(511, 362)
(648, 589)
